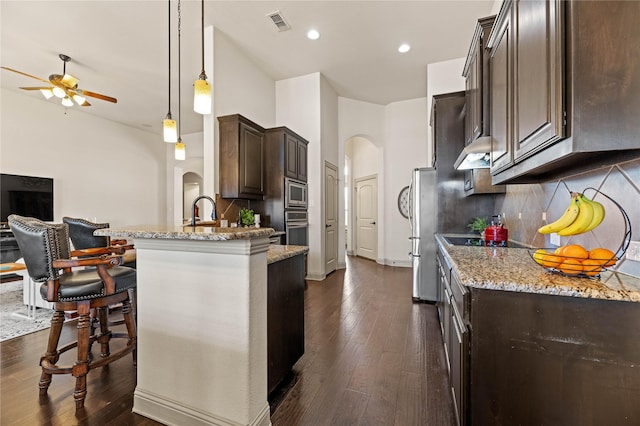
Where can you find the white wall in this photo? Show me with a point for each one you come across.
(365, 156)
(361, 121)
(240, 87)
(398, 143)
(442, 77)
(298, 107)
(405, 149)
(101, 169)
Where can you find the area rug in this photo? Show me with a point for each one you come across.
(10, 302)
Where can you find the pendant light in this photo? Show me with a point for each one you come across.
(169, 124)
(180, 148)
(201, 88)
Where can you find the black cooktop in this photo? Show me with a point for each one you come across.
(477, 241)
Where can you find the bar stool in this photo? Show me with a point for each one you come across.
(45, 249)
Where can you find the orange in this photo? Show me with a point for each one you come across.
(591, 267)
(571, 266)
(546, 259)
(575, 251)
(605, 256)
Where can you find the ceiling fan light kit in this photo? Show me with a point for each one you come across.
(201, 88)
(63, 86)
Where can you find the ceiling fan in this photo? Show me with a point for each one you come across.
(64, 86)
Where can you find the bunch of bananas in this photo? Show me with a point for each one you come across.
(581, 216)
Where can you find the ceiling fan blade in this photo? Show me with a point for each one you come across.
(96, 95)
(25, 74)
(35, 88)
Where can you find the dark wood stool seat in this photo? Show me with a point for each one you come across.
(45, 248)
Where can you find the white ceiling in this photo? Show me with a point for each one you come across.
(119, 48)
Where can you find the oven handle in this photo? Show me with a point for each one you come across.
(297, 224)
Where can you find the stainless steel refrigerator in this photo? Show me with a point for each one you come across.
(422, 219)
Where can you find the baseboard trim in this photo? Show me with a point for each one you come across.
(399, 263)
(172, 412)
(315, 277)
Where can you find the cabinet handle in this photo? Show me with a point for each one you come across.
(372, 223)
(326, 225)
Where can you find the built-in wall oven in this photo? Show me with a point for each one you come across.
(295, 194)
(296, 227)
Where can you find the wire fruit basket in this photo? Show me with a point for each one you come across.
(576, 261)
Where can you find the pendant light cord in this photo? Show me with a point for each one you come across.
(179, 96)
(169, 38)
(202, 73)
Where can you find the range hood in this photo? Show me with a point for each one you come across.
(475, 155)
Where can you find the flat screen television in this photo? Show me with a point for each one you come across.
(26, 196)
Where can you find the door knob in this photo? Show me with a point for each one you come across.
(372, 223)
(327, 225)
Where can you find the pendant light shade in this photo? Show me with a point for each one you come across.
(170, 129)
(201, 88)
(180, 151)
(202, 96)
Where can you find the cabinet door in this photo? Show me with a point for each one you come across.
(458, 351)
(473, 123)
(501, 76)
(251, 173)
(302, 161)
(538, 75)
(291, 157)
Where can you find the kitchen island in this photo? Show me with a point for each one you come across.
(527, 346)
(202, 324)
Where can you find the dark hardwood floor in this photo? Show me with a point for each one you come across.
(372, 357)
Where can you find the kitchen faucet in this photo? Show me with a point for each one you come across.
(193, 209)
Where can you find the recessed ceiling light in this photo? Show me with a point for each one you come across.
(313, 34)
(404, 48)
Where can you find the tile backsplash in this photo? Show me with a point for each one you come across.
(523, 207)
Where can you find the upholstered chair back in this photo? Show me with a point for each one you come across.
(40, 244)
(81, 233)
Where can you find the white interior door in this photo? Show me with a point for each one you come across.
(331, 217)
(367, 217)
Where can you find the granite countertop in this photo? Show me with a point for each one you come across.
(277, 252)
(513, 269)
(203, 233)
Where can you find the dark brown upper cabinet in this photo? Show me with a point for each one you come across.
(294, 162)
(242, 154)
(528, 80)
(565, 88)
(477, 105)
(476, 74)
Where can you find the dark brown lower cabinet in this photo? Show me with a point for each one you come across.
(553, 360)
(455, 336)
(285, 317)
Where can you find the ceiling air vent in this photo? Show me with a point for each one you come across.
(277, 18)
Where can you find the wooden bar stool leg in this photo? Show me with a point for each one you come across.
(52, 355)
(129, 319)
(81, 367)
(105, 332)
